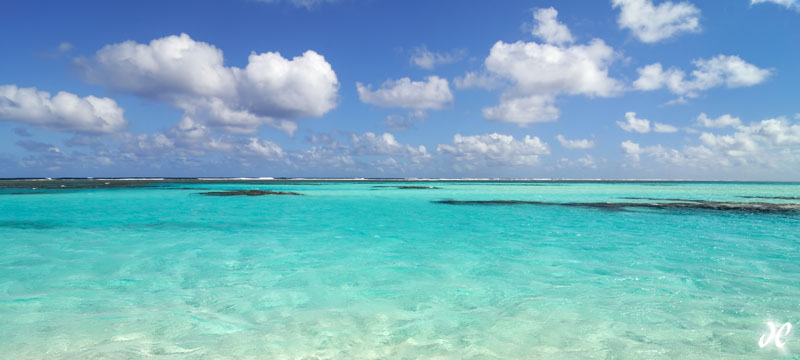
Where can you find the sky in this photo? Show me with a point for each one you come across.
(619, 89)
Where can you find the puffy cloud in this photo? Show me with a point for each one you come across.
(524, 110)
(575, 144)
(191, 75)
(663, 128)
(730, 71)
(494, 150)
(551, 69)
(263, 148)
(720, 122)
(651, 23)
(380, 152)
(385, 144)
(476, 80)
(775, 132)
(433, 93)
(770, 143)
(427, 59)
(586, 161)
(631, 149)
(549, 29)
(785, 3)
(634, 124)
(397, 122)
(633, 152)
(541, 72)
(62, 112)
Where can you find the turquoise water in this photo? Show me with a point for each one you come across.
(355, 270)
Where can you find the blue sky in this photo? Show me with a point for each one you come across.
(376, 88)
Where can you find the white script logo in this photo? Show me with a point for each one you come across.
(775, 335)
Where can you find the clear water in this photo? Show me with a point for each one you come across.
(351, 271)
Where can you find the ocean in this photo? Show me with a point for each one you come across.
(368, 269)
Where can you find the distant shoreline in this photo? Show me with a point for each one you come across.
(359, 179)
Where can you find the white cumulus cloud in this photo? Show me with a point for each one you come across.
(62, 112)
(427, 59)
(575, 144)
(664, 128)
(634, 124)
(477, 80)
(772, 144)
(651, 23)
(264, 148)
(720, 122)
(551, 69)
(540, 72)
(191, 75)
(549, 29)
(730, 71)
(524, 110)
(384, 144)
(433, 93)
(494, 149)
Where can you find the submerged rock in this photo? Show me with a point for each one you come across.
(760, 207)
(248, 193)
(772, 197)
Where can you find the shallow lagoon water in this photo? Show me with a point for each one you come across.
(368, 270)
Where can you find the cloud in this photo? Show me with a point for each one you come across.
(469, 152)
(550, 69)
(587, 161)
(431, 94)
(62, 112)
(308, 4)
(768, 144)
(476, 80)
(720, 122)
(549, 29)
(664, 128)
(789, 4)
(524, 110)
(633, 124)
(774, 132)
(263, 148)
(730, 71)
(397, 122)
(384, 144)
(541, 72)
(191, 143)
(427, 59)
(191, 76)
(651, 23)
(381, 152)
(633, 152)
(64, 47)
(575, 144)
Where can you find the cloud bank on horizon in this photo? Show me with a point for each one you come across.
(627, 89)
